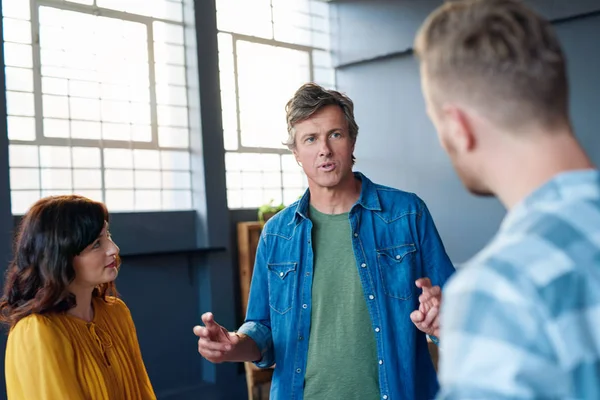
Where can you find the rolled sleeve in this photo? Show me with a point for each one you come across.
(261, 334)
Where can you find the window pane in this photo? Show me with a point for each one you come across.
(56, 128)
(17, 31)
(21, 200)
(141, 133)
(86, 109)
(169, 53)
(84, 89)
(172, 116)
(146, 159)
(55, 106)
(118, 158)
(246, 17)
(55, 156)
(85, 130)
(173, 137)
(18, 103)
(285, 70)
(175, 160)
(120, 200)
(87, 179)
(147, 179)
(148, 200)
(169, 74)
(176, 180)
(116, 131)
(118, 179)
(23, 155)
(176, 199)
(18, 55)
(56, 179)
(15, 9)
(21, 128)
(55, 86)
(171, 95)
(86, 157)
(19, 79)
(167, 33)
(234, 198)
(24, 178)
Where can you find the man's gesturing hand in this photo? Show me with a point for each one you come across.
(215, 343)
(426, 318)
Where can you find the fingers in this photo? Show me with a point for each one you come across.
(432, 295)
(423, 283)
(430, 318)
(417, 316)
(210, 345)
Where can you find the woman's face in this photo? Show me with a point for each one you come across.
(97, 263)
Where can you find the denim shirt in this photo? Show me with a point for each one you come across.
(395, 242)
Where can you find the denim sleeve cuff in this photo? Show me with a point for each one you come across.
(261, 334)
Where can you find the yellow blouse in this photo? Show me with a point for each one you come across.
(61, 357)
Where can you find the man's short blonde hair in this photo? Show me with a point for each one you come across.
(497, 55)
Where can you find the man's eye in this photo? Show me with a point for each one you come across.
(96, 245)
(310, 139)
(336, 135)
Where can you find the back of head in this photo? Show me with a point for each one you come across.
(50, 235)
(498, 56)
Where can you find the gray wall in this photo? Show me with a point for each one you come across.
(397, 144)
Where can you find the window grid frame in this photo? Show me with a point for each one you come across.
(235, 38)
(100, 143)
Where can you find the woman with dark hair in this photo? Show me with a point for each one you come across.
(70, 336)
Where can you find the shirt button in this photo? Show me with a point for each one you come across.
(300, 338)
(363, 265)
(398, 257)
(355, 234)
(308, 274)
(371, 297)
(377, 329)
(385, 397)
(305, 306)
(298, 371)
(281, 274)
(380, 362)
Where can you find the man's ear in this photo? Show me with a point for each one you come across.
(460, 129)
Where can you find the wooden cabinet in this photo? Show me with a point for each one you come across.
(248, 234)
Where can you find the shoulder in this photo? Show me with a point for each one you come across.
(35, 328)
(113, 305)
(397, 203)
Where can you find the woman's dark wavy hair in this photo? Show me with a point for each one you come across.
(50, 235)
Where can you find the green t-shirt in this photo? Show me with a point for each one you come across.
(342, 353)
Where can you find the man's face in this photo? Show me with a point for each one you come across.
(324, 147)
(456, 137)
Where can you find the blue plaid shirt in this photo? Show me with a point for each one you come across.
(522, 319)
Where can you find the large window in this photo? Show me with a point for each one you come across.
(97, 101)
(267, 49)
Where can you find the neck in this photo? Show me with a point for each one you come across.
(338, 199)
(529, 165)
(83, 308)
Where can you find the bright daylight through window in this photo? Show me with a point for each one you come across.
(97, 99)
(267, 50)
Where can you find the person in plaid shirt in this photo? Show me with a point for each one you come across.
(521, 320)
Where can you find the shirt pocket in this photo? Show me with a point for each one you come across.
(396, 267)
(282, 285)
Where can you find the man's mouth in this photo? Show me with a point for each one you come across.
(111, 265)
(328, 166)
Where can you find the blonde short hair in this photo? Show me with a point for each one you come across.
(499, 55)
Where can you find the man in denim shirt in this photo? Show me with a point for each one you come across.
(333, 287)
